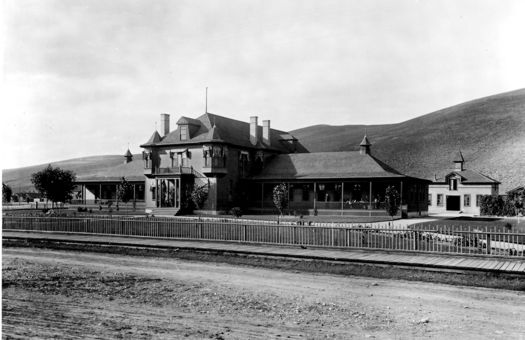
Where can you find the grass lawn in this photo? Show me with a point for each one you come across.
(480, 223)
(318, 219)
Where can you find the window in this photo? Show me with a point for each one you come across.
(184, 132)
(306, 192)
(453, 184)
(439, 200)
(466, 200)
(429, 199)
(243, 163)
(478, 200)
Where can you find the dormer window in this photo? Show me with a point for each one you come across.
(453, 184)
(183, 132)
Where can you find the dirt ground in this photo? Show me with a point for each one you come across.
(69, 295)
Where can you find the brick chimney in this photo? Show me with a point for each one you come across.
(254, 130)
(266, 132)
(164, 124)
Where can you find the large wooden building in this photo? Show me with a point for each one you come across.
(241, 162)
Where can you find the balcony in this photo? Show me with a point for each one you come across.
(176, 170)
(214, 165)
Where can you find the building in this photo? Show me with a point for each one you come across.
(100, 188)
(241, 162)
(460, 191)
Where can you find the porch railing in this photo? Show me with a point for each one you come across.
(441, 240)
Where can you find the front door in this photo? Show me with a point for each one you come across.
(453, 203)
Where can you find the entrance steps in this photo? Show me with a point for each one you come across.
(164, 211)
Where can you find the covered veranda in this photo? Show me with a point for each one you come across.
(358, 197)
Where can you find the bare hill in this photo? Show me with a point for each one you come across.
(19, 179)
(489, 131)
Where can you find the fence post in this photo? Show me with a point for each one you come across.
(244, 232)
(488, 243)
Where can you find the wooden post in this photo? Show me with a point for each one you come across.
(370, 199)
(315, 195)
(488, 243)
(342, 198)
(262, 197)
(401, 200)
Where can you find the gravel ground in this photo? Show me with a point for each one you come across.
(68, 295)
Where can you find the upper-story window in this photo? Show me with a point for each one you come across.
(183, 132)
(453, 184)
(215, 155)
(244, 159)
(146, 156)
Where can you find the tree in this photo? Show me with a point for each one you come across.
(125, 191)
(6, 193)
(280, 197)
(54, 184)
(392, 201)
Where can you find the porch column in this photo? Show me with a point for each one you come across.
(289, 193)
(262, 197)
(342, 198)
(100, 191)
(370, 199)
(401, 199)
(134, 195)
(116, 193)
(315, 194)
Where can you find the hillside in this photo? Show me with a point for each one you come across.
(20, 179)
(489, 131)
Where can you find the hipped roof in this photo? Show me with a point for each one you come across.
(215, 128)
(132, 171)
(327, 165)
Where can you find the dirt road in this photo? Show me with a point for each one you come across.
(61, 294)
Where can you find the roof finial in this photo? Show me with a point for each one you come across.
(206, 109)
(155, 125)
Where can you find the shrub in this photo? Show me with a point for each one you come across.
(280, 197)
(236, 211)
(199, 195)
(497, 206)
(392, 201)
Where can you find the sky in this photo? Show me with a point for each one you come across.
(82, 78)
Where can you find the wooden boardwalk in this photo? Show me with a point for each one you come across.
(448, 262)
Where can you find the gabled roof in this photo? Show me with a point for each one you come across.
(132, 171)
(154, 139)
(326, 165)
(516, 190)
(472, 177)
(215, 128)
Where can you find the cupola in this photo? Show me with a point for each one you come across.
(459, 161)
(364, 147)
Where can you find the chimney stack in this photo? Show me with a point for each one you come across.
(164, 124)
(254, 130)
(266, 132)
